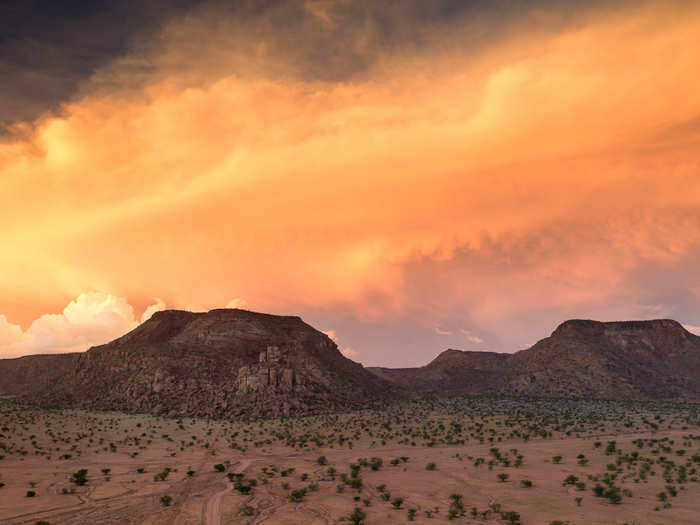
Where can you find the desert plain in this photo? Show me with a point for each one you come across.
(470, 460)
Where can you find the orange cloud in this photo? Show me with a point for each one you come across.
(566, 155)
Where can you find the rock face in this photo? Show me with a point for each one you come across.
(223, 363)
(656, 359)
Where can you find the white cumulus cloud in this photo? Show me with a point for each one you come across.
(91, 319)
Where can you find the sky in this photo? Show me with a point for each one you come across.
(407, 176)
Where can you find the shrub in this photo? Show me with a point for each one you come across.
(511, 517)
(297, 495)
(79, 477)
(219, 467)
(376, 463)
(570, 480)
(357, 516)
(30, 494)
(166, 500)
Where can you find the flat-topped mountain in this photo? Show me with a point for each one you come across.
(222, 363)
(656, 359)
(236, 363)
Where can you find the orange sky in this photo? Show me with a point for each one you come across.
(478, 194)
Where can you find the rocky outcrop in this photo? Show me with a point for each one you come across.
(655, 359)
(222, 363)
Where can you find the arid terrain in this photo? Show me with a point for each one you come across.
(462, 460)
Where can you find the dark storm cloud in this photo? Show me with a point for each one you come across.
(49, 49)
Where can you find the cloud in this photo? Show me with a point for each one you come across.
(10, 334)
(346, 351)
(440, 331)
(153, 308)
(471, 337)
(91, 319)
(491, 172)
(237, 303)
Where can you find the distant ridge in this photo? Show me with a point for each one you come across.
(657, 359)
(231, 363)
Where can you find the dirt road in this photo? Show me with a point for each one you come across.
(212, 508)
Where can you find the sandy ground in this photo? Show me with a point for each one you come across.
(435, 458)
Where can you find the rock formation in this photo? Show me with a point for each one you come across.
(223, 363)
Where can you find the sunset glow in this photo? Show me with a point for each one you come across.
(463, 183)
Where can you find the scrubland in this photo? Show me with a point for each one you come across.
(462, 461)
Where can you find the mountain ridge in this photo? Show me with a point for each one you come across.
(241, 364)
(644, 359)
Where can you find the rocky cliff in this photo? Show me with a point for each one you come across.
(223, 363)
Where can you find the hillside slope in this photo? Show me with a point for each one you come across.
(222, 363)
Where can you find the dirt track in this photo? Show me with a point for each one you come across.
(212, 508)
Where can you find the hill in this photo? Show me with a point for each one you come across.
(241, 364)
(453, 372)
(222, 363)
(656, 359)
